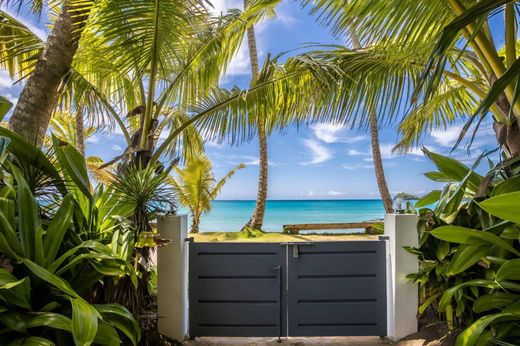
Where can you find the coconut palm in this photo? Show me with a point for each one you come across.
(456, 79)
(196, 186)
(257, 218)
(40, 93)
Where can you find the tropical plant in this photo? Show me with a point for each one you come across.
(257, 218)
(57, 242)
(196, 187)
(469, 250)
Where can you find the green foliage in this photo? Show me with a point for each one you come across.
(56, 250)
(196, 187)
(469, 251)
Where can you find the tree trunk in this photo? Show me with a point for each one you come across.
(195, 220)
(80, 131)
(257, 218)
(374, 141)
(378, 162)
(39, 96)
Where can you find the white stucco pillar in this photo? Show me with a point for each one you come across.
(172, 277)
(402, 295)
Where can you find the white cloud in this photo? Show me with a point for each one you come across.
(334, 193)
(319, 152)
(93, 139)
(311, 193)
(5, 81)
(332, 133)
(328, 133)
(351, 167)
(354, 152)
(116, 147)
(447, 137)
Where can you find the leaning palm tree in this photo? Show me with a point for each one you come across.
(257, 218)
(196, 186)
(465, 62)
(33, 110)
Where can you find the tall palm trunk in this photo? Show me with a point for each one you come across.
(80, 131)
(257, 218)
(378, 162)
(374, 142)
(39, 96)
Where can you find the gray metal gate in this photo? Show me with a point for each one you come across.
(290, 289)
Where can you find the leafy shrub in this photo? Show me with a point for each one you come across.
(58, 241)
(469, 250)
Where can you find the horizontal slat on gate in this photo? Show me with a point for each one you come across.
(337, 288)
(338, 313)
(235, 330)
(231, 313)
(236, 289)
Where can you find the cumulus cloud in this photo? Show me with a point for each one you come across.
(334, 193)
(319, 152)
(332, 133)
(447, 137)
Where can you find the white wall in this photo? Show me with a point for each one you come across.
(172, 277)
(402, 295)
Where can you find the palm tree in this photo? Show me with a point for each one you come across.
(196, 187)
(39, 96)
(257, 218)
(444, 88)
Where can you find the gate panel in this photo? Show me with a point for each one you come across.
(337, 289)
(236, 289)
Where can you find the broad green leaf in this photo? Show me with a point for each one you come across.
(454, 170)
(84, 322)
(507, 186)
(442, 250)
(32, 341)
(5, 106)
(470, 335)
(450, 292)
(28, 153)
(429, 199)
(510, 270)
(465, 257)
(438, 177)
(74, 164)
(505, 206)
(122, 319)
(51, 320)
(462, 235)
(12, 247)
(106, 334)
(15, 292)
(28, 219)
(495, 300)
(47, 276)
(57, 228)
(13, 320)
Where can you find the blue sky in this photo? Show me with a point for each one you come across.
(325, 161)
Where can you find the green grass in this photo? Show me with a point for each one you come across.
(274, 237)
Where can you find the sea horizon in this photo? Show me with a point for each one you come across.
(231, 215)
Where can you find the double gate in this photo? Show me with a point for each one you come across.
(288, 289)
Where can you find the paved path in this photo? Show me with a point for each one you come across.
(299, 341)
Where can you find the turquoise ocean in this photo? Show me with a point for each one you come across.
(230, 216)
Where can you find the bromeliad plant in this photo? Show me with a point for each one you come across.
(469, 250)
(58, 241)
